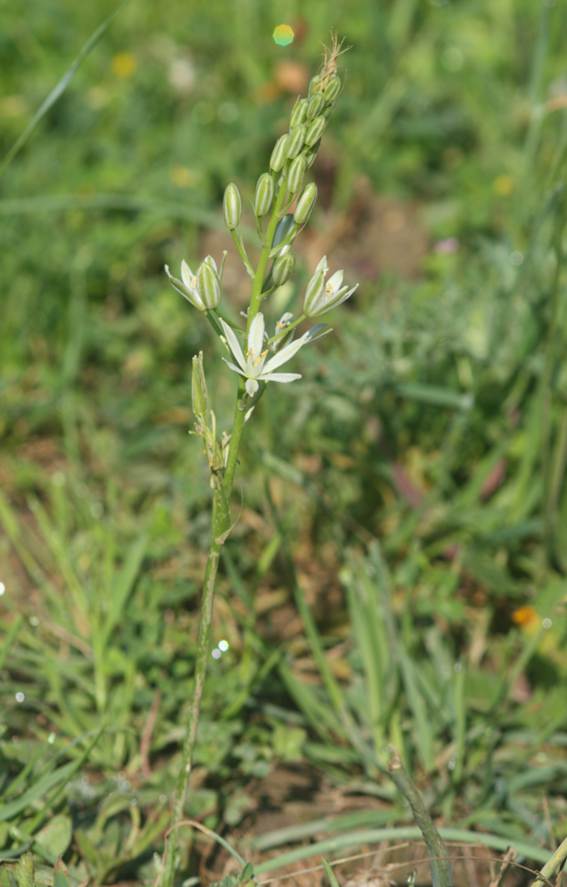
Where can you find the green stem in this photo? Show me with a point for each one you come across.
(440, 866)
(553, 866)
(262, 266)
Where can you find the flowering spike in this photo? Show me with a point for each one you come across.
(264, 195)
(232, 206)
(305, 204)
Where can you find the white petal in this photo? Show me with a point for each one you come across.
(256, 335)
(233, 366)
(281, 377)
(212, 263)
(251, 387)
(233, 343)
(286, 353)
(335, 281)
(187, 275)
(322, 266)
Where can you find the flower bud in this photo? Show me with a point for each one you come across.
(209, 284)
(296, 174)
(283, 267)
(332, 89)
(310, 159)
(283, 228)
(295, 141)
(279, 154)
(305, 204)
(315, 131)
(199, 394)
(232, 205)
(314, 291)
(298, 113)
(315, 106)
(314, 85)
(264, 194)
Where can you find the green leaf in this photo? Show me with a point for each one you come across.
(55, 837)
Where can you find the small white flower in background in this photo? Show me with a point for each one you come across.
(202, 289)
(321, 295)
(254, 366)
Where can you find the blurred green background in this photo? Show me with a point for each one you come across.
(415, 477)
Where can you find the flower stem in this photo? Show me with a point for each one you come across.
(552, 867)
(439, 860)
(220, 529)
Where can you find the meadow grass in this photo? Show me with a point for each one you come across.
(397, 571)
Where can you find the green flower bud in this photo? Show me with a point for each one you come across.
(232, 206)
(332, 89)
(264, 194)
(296, 174)
(314, 85)
(314, 290)
(283, 267)
(295, 141)
(298, 113)
(315, 106)
(209, 283)
(199, 393)
(279, 154)
(283, 228)
(315, 131)
(305, 204)
(310, 158)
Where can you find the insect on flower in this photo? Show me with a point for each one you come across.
(254, 366)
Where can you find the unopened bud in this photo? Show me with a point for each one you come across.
(296, 174)
(305, 204)
(199, 394)
(315, 131)
(314, 85)
(283, 228)
(295, 141)
(332, 89)
(298, 113)
(232, 205)
(264, 194)
(315, 106)
(283, 267)
(314, 290)
(209, 284)
(279, 154)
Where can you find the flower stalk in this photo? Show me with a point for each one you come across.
(252, 354)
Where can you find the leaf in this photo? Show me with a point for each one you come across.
(55, 837)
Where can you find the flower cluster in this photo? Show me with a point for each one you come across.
(282, 205)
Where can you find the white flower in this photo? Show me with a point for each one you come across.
(201, 289)
(254, 367)
(321, 296)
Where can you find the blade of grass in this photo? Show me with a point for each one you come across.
(59, 88)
